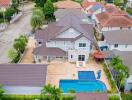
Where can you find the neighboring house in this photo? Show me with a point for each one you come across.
(113, 19)
(67, 4)
(93, 8)
(67, 39)
(91, 96)
(23, 78)
(60, 13)
(5, 4)
(126, 57)
(117, 39)
(129, 4)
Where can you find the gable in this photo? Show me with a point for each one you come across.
(70, 33)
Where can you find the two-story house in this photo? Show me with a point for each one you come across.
(116, 39)
(113, 19)
(67, 38)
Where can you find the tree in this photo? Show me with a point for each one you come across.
(121, 70)
(53, 92)
(20, 44)
(13, 55)
(39, 3)
(37, 19)
(1, 92)
(117, 2)
(49, 10)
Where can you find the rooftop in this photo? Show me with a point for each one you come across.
(5, 3)
(114, 17)
(67, 4)
(91, 96)
(118, 37)
(63, 12)
(23, 74)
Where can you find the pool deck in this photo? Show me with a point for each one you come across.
(66, 70)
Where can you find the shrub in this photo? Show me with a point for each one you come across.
(68, 98)
(111, 82)
(9, 12)
(127, 96)
(129, 10)
(114, 97)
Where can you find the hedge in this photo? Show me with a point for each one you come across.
(111, 82)
(126, 96)
(31, 97)
(114, 97)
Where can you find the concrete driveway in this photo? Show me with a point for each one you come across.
(21, 27)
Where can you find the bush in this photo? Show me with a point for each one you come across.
(126, 96)
(129, 10)
(9, 12)
(111, 82)
(114, 97)
(32, 97)
(68, 98)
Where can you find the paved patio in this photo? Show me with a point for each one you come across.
(66, 70)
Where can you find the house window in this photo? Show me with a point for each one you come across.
(82, 44)
(71, 56)
(116, 45)
(121, 28)
(81, 57)
(126, 46)
(39, 42)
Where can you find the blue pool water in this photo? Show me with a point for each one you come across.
(86, 83)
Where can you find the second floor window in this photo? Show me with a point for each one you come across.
(116, 45)
(82, 44)
(39, 42)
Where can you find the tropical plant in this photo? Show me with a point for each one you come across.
(39, 3)
(13, 55)
(121, 70)
(53, 92)
(20, 44)
(1, 92)
(49, 10)
(37, 19)
(117, 2)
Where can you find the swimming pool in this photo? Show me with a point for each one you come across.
(86, 83)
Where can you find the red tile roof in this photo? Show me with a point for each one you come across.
(86, 4)
(4, 3)
(114, 17)
(67, 4)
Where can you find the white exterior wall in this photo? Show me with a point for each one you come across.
(70, 33)
(64, 45)
(121, 47)
(22, 90)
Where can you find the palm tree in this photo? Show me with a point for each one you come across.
(53, 92)
(37, 19)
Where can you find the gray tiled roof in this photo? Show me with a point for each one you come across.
(91, 96)
(43, 51)
(23, 74)
(63, 12)
(126, 56)
(69, 21)
(118, 37)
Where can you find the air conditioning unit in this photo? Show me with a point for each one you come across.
(80, 63)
